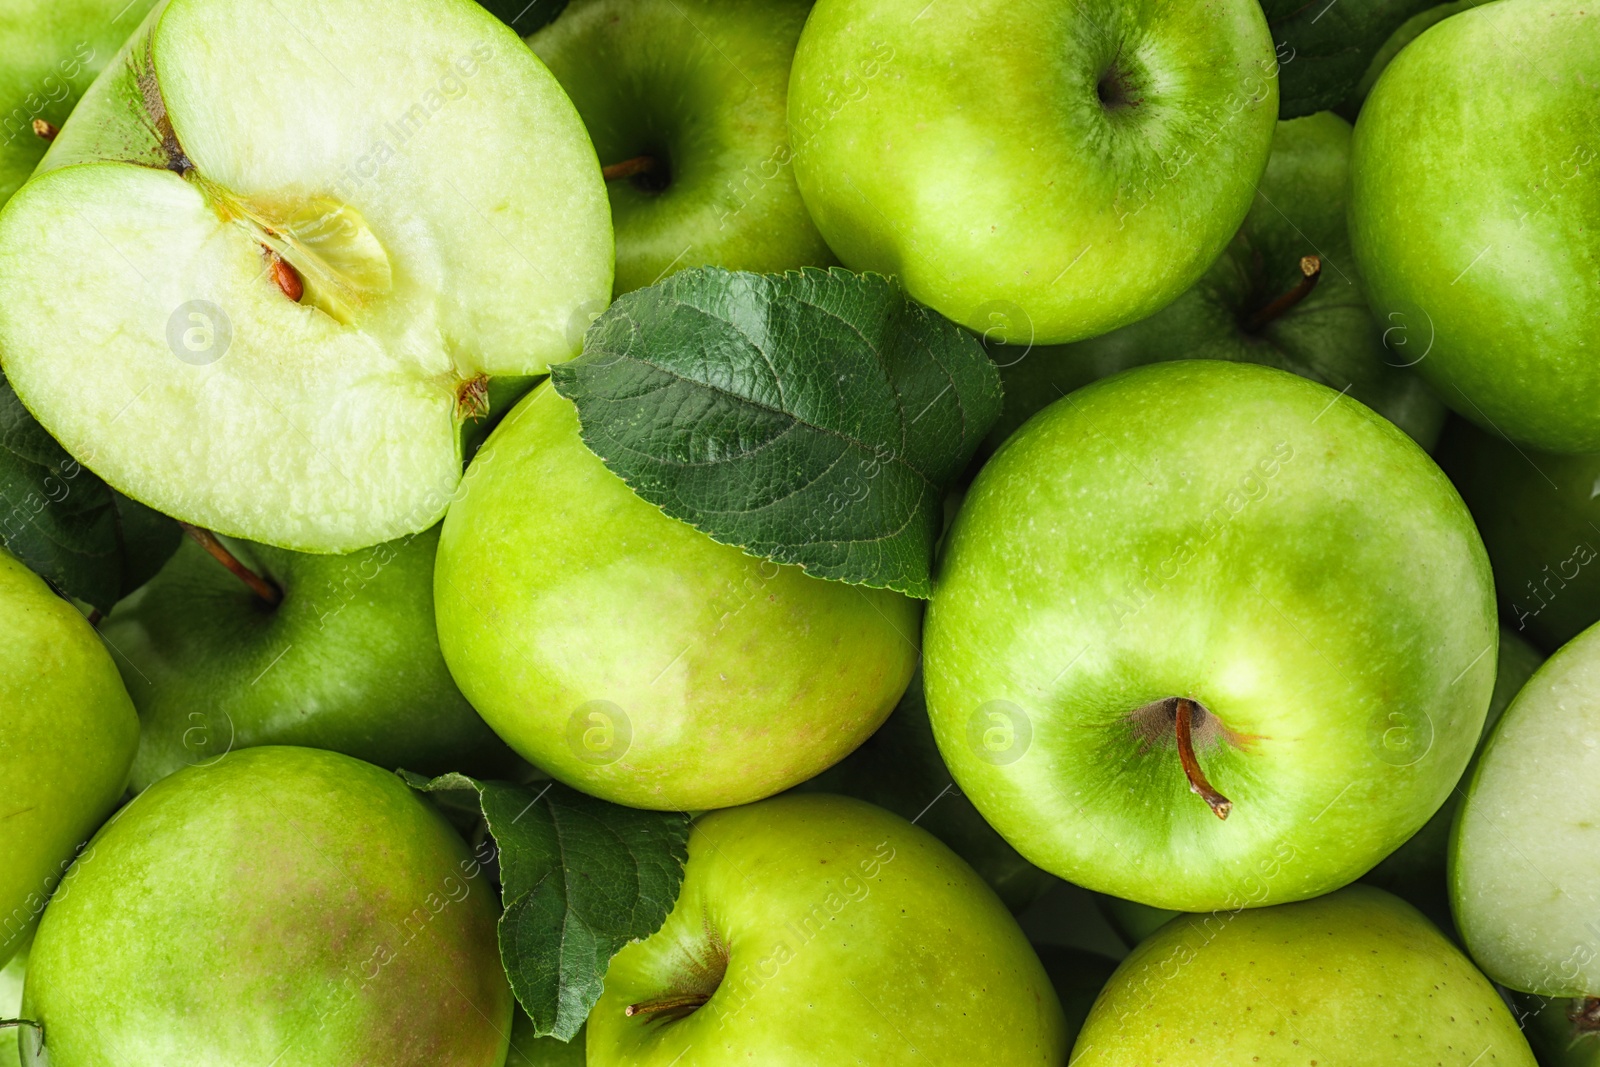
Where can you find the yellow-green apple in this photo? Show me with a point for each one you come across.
(822, 929)
(1181, 649)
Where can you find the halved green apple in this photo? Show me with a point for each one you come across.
(268, 267)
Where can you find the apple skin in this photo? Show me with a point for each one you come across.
(1408, 31)
(529, 1050)
(53, 49)
(631, 656)
(827, 930)
(701, 86)
(1475, 216)
(69, 738)
(1354, 977)
(1523, 860)
(1557, 1037)
(290, 879)
(968, 149)
(349, 660)
(1209, 530)
(1329, 336)
(1416, 871)
(1538, 514)
(899, 769)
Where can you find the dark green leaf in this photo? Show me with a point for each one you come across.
(1324, 46)
(72, 529)
(813, 417)
(525, 16)
(580, 878)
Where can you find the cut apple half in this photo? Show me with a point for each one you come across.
(267, 269)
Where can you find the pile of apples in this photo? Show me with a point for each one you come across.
(1270, 478)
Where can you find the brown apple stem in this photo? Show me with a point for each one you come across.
(11, 1024)
(628, 168)
(1585, 1015)
(685, 1003)
(259, 585)
(94, 617)
(46, 130)
(1191, 766)
(1310, 274)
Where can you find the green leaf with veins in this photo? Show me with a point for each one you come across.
(580, 878)
(1324, 46)
(813, 417)
(68, 526)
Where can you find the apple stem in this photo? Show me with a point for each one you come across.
(11, 1024)
(94, 617)
(259, 585)
(685, 1004)
(1218, 803)
(46, 130)
(1310, 274)
(628, 168)
(1585, 1015)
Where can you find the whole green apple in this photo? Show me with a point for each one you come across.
(1523, 861)
(67, 740)
(1416, 871)
(1032, 169)
(272, 263)
(1355, 977)
(1256, 303)
(685, 101)
(1538, 513)
(347, 660)
(821, 929)
(630, 655)
(1475, 215)
(53, 50)
(1180, 580)
(282, 905)
(899, 768)
(1408, 31)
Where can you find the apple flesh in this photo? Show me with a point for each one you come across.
(1256, 303)
(1205, 534)
(1354, 977)
(53, 50)
(804, 933)
(281, 905)
(693, 92)
(1475, 215)
(1033, 170)
(11, 979)
(68, 739)
(348, 660)
(271, 262)
(631, 656)
(1523, 859)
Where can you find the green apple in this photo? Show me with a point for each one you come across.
(693, 92)
(1077, 977)
(1180, 580)
(899, 768)
(1539, 514)
(1416, 870)
(1564, 1031)
(68, 738)
(1355, 977)
(347, 660)
(631, 656)
(1408, 31)
(1523, 861)
(275, 257)
(821, 929)
(53, 50)
(11, 980)
(282, 905)
(1256, 303)
(530, 1050)
(1475, 215)
(1032, 169)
